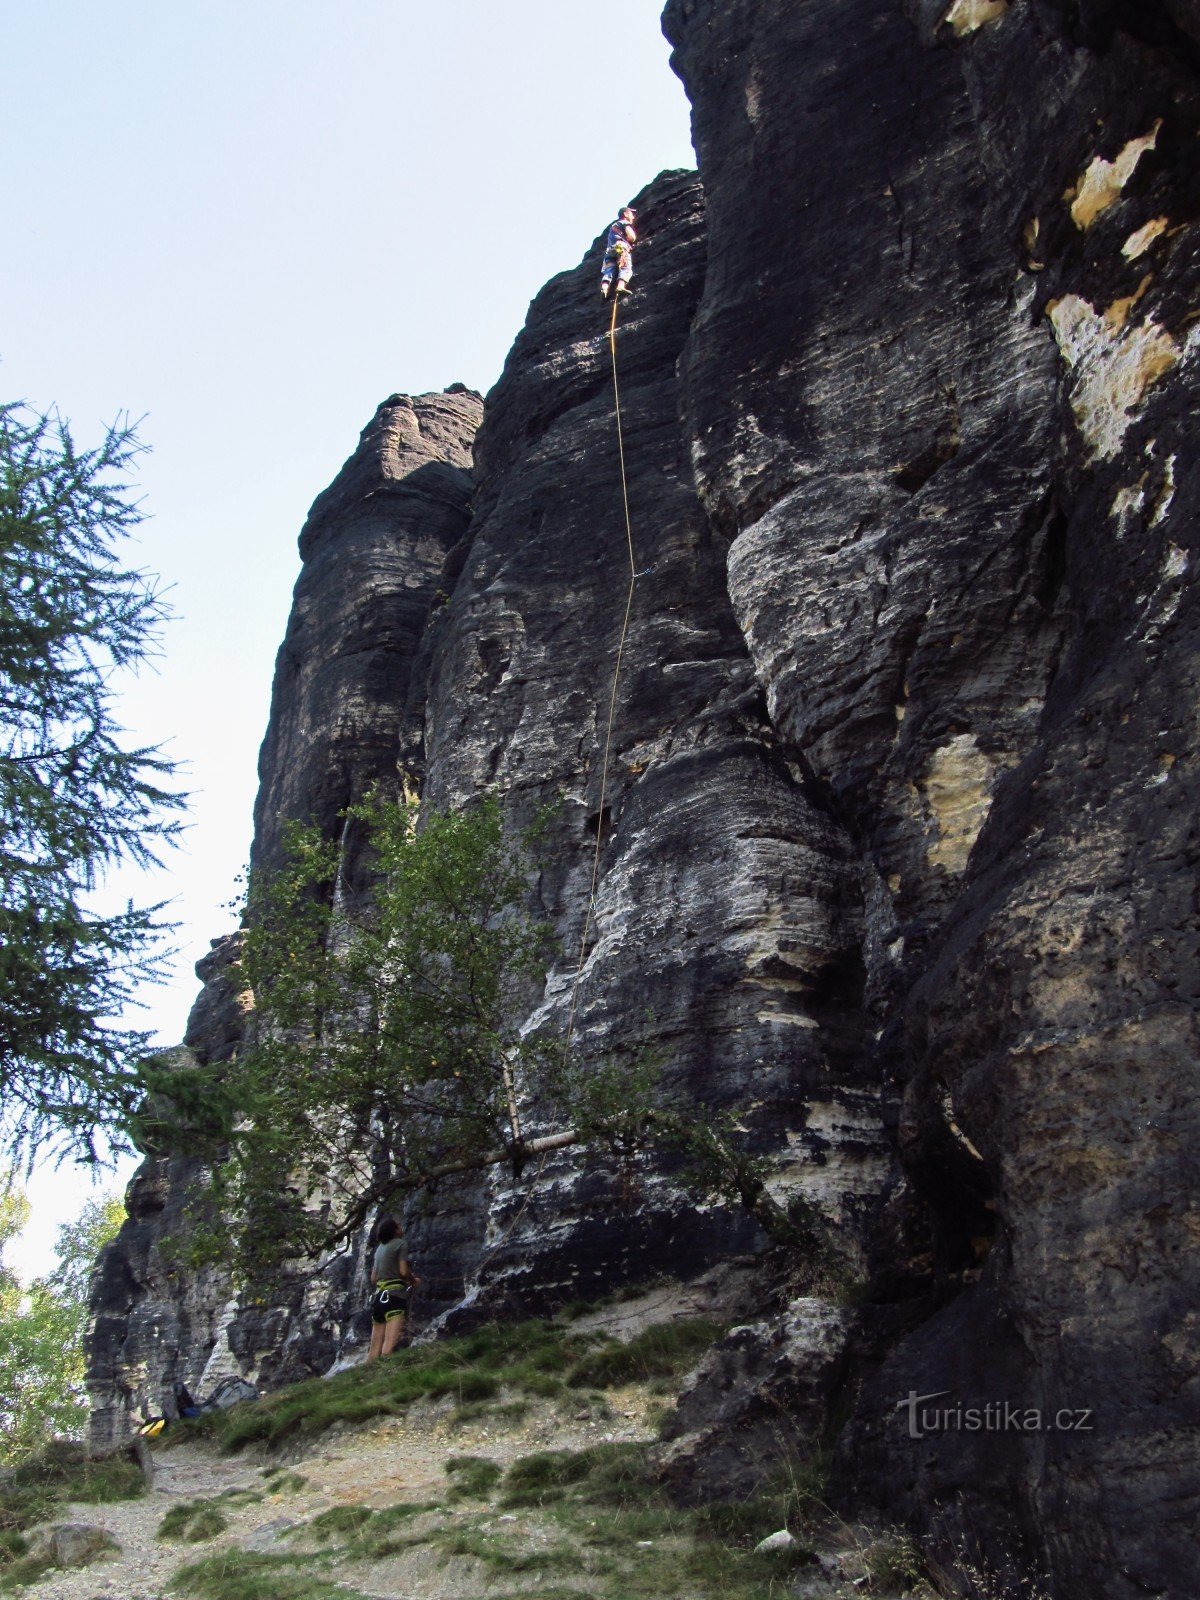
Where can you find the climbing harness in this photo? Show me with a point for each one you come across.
(634, 575)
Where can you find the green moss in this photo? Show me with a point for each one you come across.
(193, 1521)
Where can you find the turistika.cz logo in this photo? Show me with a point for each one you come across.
(996, 1416)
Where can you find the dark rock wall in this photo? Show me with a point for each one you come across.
(937, 389)
(727, 909)
(347, 699)
(897, 844)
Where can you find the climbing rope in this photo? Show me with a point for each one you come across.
(612, 704)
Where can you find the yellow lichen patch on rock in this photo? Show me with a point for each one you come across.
(1115, 365)
(1103, 182)
(957, 790)
(1117, 314)
(964, 16)
(1138, 243)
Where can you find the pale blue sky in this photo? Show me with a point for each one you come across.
(250, 222)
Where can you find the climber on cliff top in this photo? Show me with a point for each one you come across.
(618, 252)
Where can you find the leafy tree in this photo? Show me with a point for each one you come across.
(389, 1050)
(74, 799)
(42, 1329)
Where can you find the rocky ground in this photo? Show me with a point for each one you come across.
(549, 1496)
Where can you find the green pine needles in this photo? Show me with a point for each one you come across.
(75, 799)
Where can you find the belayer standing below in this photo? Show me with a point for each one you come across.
(618, 253)
(393, 1280)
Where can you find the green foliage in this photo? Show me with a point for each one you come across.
(386, 1043)
(193, 1522)
(42, 1328)
(74, 800)
(63, 1472)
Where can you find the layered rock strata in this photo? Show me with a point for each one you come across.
(938, 391)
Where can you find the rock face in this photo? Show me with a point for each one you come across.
(897, 840)
(346, 712)
(936, 389)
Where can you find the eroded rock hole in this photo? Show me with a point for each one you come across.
(599, 824)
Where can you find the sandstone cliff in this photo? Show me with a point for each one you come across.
(899, 853)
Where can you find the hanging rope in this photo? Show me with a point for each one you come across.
(612, 704)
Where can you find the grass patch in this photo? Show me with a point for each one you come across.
(501, 1555)
(24, 1569)
(21, 1564)
(662, 1351)
(193, 1521)
(575, 1309)
(339, 1522)
(645, 1548)
(239, 1575)
(555, 1593)
(474, 1477)
(62, 1473)
(507, 1414)
(528, 1358)
(361, 1533)
(611, 1473)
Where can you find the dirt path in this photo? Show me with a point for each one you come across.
(376, 1465)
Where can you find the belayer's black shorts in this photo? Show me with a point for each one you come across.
(390, 1300)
